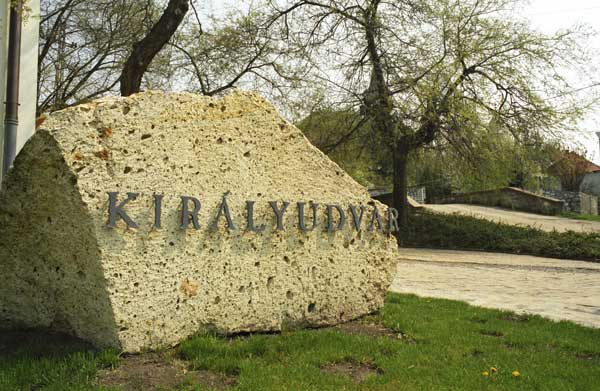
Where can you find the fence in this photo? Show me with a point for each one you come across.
(418, 194)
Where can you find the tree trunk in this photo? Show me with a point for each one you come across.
(145, 50)
(400, 200)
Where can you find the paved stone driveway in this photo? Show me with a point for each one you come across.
(546, 223)
(556, 289)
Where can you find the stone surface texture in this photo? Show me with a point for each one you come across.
(62, 268)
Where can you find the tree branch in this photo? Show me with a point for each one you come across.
(145, 50)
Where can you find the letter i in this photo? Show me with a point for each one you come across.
(157, 210)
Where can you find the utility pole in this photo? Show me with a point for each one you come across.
(11, 118)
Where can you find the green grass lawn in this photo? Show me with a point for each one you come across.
(412, 344)
(581, 217)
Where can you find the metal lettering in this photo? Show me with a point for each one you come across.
(341, 223)
(357, 219)
(190, 209)
(314, 206)
(115, 211)
(157, 210)
(250, 219)
(376, 217)
(224, 210)
(301, 222)
(279, 213)
(186, 213)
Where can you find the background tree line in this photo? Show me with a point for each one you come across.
(465, 90)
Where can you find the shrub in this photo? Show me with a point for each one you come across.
(459, 232)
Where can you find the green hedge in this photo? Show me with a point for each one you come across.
(468, 233)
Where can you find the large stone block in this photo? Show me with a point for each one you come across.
(164, 272)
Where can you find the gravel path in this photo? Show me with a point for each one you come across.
(556, 289)
(546, 223)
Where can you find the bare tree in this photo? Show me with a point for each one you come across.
(215, 54)
(426, 70)
(96, 47)
(83, 44)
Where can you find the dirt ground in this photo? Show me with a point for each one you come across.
(159, 371)
(358, 372)
(546, 223)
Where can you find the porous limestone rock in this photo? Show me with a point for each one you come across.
(62, 267)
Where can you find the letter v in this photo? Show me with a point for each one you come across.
(357, 219)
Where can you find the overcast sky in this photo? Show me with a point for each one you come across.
(551, 15)
(545, 15)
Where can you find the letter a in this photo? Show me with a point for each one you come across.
(376, 217)
(224, 210)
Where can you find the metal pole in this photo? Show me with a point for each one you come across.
(11, 119)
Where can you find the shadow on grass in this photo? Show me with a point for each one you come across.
(39, 344)
(42, 360)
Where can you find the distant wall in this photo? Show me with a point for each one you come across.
(591, 184)
(510, 198)
(576, 202)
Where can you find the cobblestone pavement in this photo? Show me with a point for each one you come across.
(556, 289)
(546, 223)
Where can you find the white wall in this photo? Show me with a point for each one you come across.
(28, 80)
